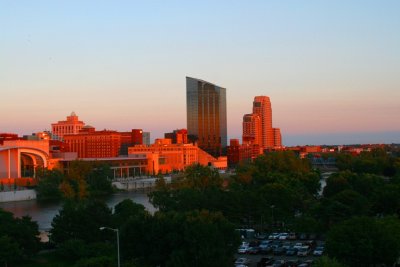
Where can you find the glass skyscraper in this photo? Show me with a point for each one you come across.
(206, 115)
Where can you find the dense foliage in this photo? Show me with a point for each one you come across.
(82, 180)
(197, 238)
(18, 238)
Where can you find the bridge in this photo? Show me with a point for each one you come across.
(138, 183)
(324, 165)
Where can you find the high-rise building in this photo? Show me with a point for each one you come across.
(277, 137)
(262, 107)
(206, 115)
(252, 130)
(71, 126)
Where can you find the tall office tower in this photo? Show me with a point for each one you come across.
(71, 126)
(252, 129)
(277, 137)
(206, 115)
(262, 107)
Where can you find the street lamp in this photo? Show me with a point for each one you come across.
(115, 230)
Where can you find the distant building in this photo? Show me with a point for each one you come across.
(137, 136)
(262, 107)
(277, 138)
(146, 138)
(71, 126)
(252, 129)
(178, 136)
(94, 144)
(241, 152)
(206, 115)
(172, 157)
(7, 137)
(134, 137)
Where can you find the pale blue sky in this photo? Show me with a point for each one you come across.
(331, 68)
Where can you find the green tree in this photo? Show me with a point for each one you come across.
(48, 187)
(201, 177)
(81, 220)
(197, 238)
(99, 180)
(23, 231)
(364, 241)
(9, 251)
(127, 209)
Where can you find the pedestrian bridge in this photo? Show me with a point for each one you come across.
(20, 161)
(138, 183)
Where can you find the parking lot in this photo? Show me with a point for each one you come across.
(278, 247)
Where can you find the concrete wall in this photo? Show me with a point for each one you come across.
(17, 195)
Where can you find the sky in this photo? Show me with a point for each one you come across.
(331, 68)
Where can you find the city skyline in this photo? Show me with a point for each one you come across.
(330, 68)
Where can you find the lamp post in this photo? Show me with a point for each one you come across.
(115, 230)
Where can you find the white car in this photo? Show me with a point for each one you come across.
(273, 236)
(283, 236)
(298, 245)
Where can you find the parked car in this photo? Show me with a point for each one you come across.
(298, 245)
(291, 251)
(243, 249)
(303, 251)
(242, 261)
(261, 236)
(283, 236)
(286, 245)
(273, 236)
(253, 250)
(277, 263)
(264, 243)
(265, 261)
(266, 250)
(318, 251)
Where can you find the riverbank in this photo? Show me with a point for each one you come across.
(43, 213)
(17, 195)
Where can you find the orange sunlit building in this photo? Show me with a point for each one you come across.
(262, 107)
(70, 126)
(178, 136)
(94, 144)
(172, 157)
(277, 138)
